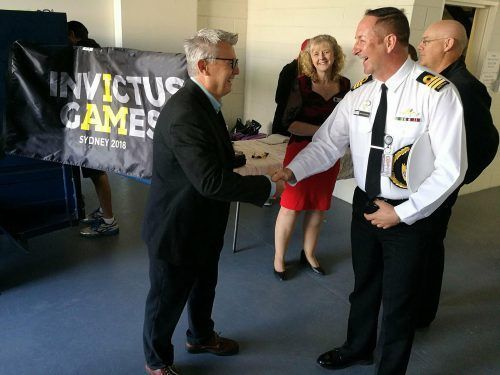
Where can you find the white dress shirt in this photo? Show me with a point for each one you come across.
(412, 108)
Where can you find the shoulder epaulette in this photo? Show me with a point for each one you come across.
(433, 81)
(361, 82)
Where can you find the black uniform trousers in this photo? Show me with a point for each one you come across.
(387, 267)
(171, 287)
(432, 278)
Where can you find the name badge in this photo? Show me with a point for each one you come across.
(358, 112)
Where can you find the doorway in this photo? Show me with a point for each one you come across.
(478, 18)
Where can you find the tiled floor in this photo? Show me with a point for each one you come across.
(75, 306)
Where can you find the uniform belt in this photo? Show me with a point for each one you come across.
(392, 202)
(371, 206)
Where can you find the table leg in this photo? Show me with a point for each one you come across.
(236, 220)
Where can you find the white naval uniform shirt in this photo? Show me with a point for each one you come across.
(412, 108)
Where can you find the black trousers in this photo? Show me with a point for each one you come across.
(432, 277)
(387, 267)
(171, 287)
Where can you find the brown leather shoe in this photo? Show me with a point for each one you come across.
(169, 370)
(217, 345)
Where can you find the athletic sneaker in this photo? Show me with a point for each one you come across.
(100, 228)
(93, 216)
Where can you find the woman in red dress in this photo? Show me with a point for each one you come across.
(315, 95)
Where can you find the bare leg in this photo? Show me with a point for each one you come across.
(103, 190)
(285, 222)
(312, 226)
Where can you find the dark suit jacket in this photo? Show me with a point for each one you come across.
(481, 134)
(193, 181)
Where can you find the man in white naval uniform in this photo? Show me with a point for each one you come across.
(389, 228)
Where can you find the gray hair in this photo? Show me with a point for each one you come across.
(204, 46)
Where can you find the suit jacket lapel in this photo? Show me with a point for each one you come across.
(217, 124)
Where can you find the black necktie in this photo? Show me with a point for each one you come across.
(372, 183)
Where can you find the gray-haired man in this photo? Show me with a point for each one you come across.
(192, 186)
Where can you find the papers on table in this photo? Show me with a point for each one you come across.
(274, 139)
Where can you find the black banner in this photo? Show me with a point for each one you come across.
(91, 107)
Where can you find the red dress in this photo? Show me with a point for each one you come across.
(314, 192)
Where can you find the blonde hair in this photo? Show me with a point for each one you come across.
(306, 66)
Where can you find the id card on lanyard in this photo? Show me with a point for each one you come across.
(387, 157)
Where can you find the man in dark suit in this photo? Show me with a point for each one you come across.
(441, 50)
(192, 186)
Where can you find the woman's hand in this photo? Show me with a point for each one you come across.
(302, 128)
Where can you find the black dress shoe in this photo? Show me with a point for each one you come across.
(303, 260)
(216, 345)
(280, 275)
(335, 360)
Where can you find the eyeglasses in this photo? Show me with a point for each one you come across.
(234, 62)
(425, 42)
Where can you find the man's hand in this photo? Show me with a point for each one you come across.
(280, 186)
(385, 217)
(283, 174)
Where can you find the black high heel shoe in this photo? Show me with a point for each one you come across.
(280, 275)
(303, 260)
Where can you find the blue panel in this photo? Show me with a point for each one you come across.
(35, 196)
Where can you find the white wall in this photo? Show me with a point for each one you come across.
(158, 25)
(229, 15)
(96, 15)
(276, 30)
(492, 173)
(150, 25)
(491, 176)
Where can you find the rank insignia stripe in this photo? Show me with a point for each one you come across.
(433, 81)
(361, 82)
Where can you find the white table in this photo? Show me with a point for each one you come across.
(256, 166)
(273, 161)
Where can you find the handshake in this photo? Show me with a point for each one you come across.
(280, 176)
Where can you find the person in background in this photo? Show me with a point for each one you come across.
(78, 33)
(441, 50)
(313, 97)
(287, 76)
(383, 114)
(186, 215)
(101, 221)
(412, 53)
